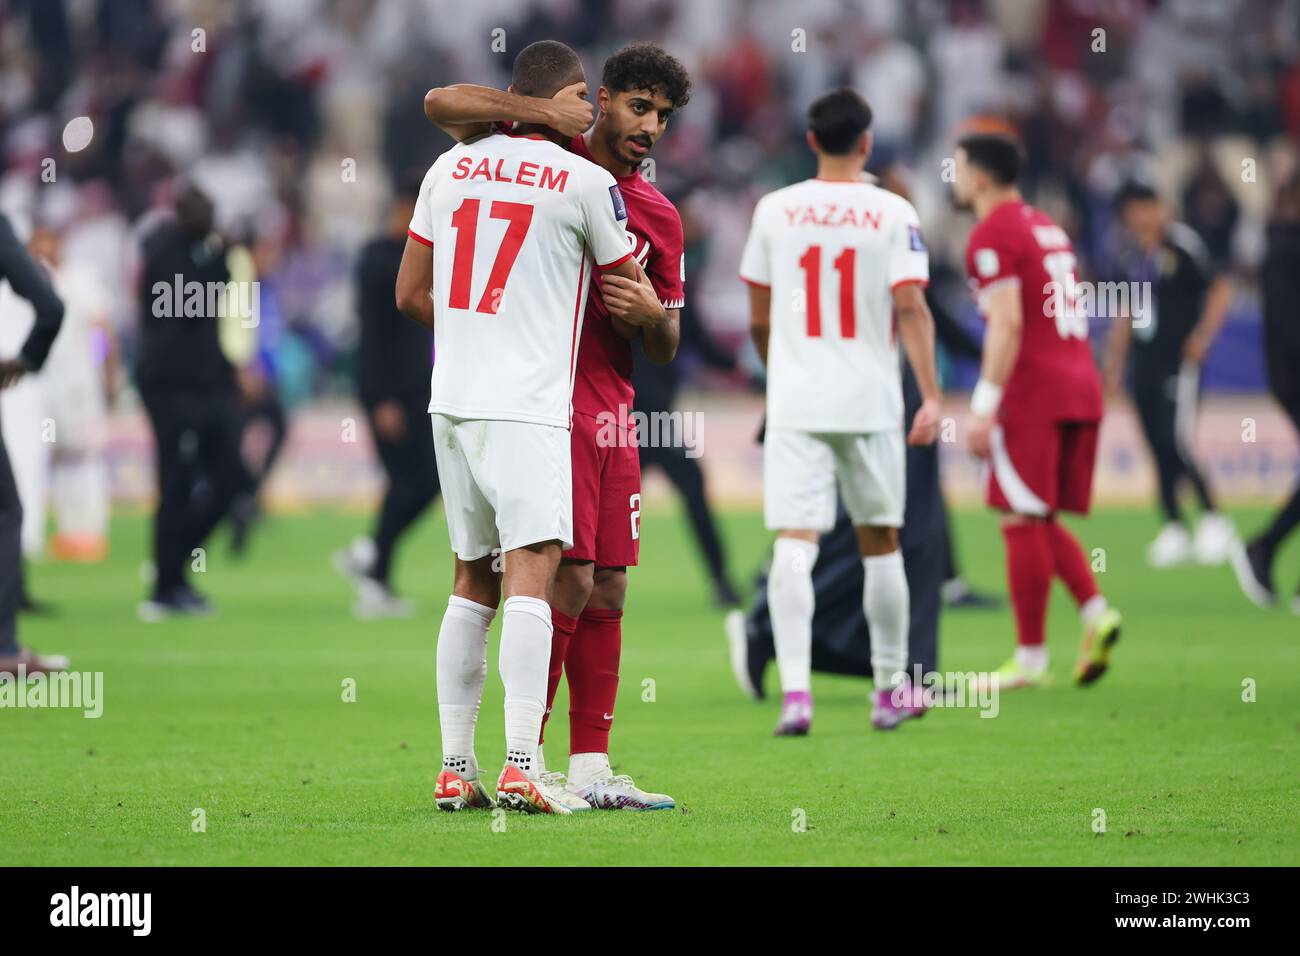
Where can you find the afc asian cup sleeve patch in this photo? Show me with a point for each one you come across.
(986, 262)
(914, 240)
(620, 205)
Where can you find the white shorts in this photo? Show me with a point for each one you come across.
(800, 470)
(504, 484)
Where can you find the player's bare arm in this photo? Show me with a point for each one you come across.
(639, 312)
(660, 342)
(760, 317)
(1213, 314)
(414, 282)
(1001, 346)
(1117, 343)
(465, 110)
(916, 331)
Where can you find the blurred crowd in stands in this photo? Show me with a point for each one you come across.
(299, 117)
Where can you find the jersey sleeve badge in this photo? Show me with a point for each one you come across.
(620, 204)
(914, 240)
(986, 262)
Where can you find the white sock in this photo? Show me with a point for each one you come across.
(525, 663)
(887, 605)
(586, 769)
(1093, 608)
(791, 602)
(1032, 658)
(462, 668)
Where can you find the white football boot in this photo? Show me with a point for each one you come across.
(556, 781)
(1172, 546)
(355, 561)
(618, 792)
(1215, 537)
(375, 602)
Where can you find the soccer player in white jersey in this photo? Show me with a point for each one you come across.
(836, 270)
(507, 231)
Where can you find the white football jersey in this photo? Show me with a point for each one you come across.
(517, 224)
(832, 252)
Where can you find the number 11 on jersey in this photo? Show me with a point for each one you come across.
(844, 264)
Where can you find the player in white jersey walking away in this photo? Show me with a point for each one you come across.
(507, 231)
(836, 269)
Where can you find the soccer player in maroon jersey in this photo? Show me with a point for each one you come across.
(641, 87)
(1037, 408)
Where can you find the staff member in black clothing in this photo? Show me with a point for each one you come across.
(1187, 305)
(656, 389)
(1280, 283)
(26, 279)
(188, 390)
(396, 361)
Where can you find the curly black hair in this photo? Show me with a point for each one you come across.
(647, 66)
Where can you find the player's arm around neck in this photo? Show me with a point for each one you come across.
(415, 282)
(916, 330)
(464, 111)
(1005, 320)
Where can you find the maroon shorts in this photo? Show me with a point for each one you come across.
(1039, 468)
(606, 494)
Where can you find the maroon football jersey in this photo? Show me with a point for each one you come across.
(654, 232)
(1055, 377)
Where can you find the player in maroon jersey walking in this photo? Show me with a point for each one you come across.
(641, 87)
(1037, 408)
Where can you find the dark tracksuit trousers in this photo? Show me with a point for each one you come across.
(199, 472)
(656, 391)
(11, 577)
(395, 363)
(1166, 403)
(30, 282)
(1288, 517)
(412, 469)
(1280, 279)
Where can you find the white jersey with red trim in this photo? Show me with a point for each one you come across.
(516, 224)
(832, 252)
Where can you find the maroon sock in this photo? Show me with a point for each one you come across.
(1029, 573)
(563, 627)
(1071, 563)
(592, 667)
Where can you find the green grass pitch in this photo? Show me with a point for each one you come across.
(241, 715)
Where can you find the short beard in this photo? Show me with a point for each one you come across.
(616, 147)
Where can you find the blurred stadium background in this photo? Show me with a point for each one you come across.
(270, 104)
